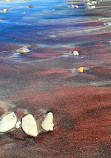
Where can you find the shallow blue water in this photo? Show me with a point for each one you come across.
(20, 21)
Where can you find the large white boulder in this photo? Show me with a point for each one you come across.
(7, 122)
(29, 125)
(47, 123)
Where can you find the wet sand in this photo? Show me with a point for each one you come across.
(46, 79)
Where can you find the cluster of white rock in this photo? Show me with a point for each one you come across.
(73, 6)
(91, 4)
(107, 24)
(28, 123)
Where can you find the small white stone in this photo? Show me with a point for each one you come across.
(5, 10)
(107, 24)
(76, 6)
(29, 125)
(94, 2)
(89, 3)
(76, 53)
(71, 6)
(23, 50)
(7, 122)
(18, 124)
(47, 123)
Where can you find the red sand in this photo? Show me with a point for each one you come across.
(82, 118)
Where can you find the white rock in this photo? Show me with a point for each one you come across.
(23, 50)
(107, 24)
(89, 3)
(29, 125)
(76, 6)
(47, 123)
(76, 53)
(5, 10)
(18, 124)
(71, 6)
(94, 2)
(7, 122)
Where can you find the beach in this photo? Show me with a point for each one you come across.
(40, 73)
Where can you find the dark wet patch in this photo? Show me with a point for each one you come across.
(103, 72)
(96, 112)
(105, 149)
(65, 121)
